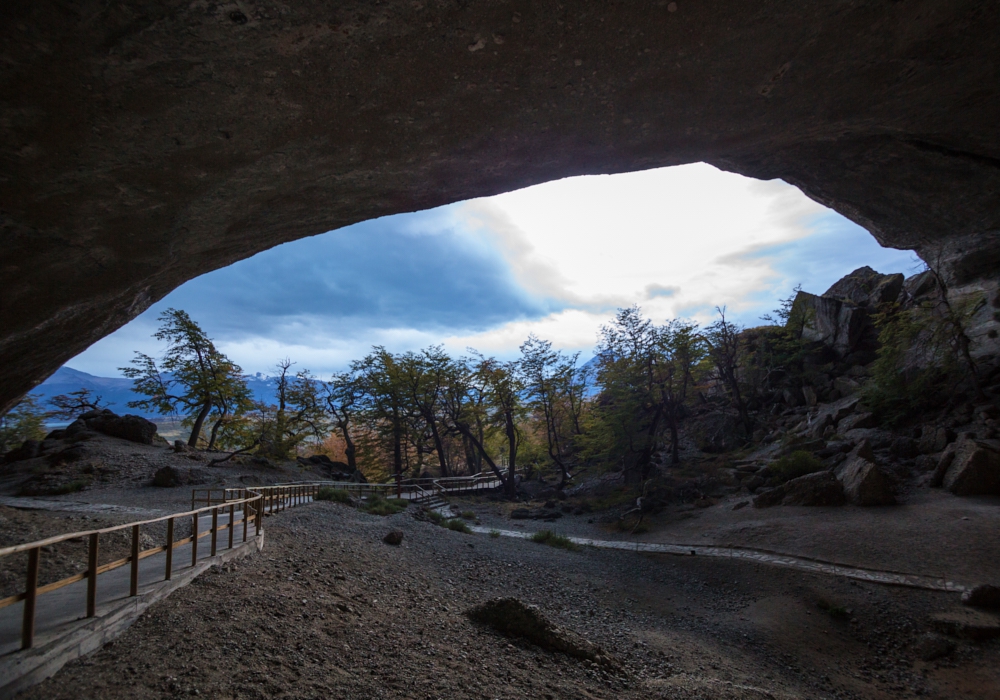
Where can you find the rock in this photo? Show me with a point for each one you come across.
(920, 284)
(983, 596)
(810, 395)
(394, 537)
(73, 453)
(167, 477)
(817, 489)
(934, 439)
(930, 647)
(845, 385)
(864, 483)
(512, 618)
(974, 471)
(181, 447)
(127, 427)
(966, 624)
(793, 397)
(857, 420)
(866, 287)
(29, 449)
(717, 432)
(904, 448)
(520, 514)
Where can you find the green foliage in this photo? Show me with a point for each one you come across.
(26, 421)
(553, 540)
(377, 505)
(646, 373)
(457, 525)
(194, 378)
(796, 464)
(328, 493)
(468, 515)
(435, 517)
(494, 534)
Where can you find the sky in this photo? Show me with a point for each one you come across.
(555, 260)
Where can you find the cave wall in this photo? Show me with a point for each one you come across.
(144, 143)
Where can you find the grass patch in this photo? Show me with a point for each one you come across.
(494, 534)
(435, 517)
(328, 493)
(553, 540)
(458, 525)
(468, 515)
(796, 464)
(837, 612)
(376, 505)
(632, 526)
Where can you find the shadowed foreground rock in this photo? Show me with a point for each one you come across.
(512, 618)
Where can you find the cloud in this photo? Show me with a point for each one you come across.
(556, 260)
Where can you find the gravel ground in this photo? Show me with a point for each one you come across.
(328, 610)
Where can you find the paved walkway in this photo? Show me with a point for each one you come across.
(760, 556)
(62, 607)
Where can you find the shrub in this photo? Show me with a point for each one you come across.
(376, 505)
(435, 517)
(553, 540)
(458, 525)
(328, 493)
(796, 464)
(494, 534)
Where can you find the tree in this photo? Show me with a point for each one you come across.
(384, 400)
(343, 396)
(423, 376)
(298, 414)
(725, 347)
(552, 388)
(69, 406)
(25, 421)
(194, 378)
(502, 387)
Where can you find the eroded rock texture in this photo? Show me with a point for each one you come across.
(143, 143)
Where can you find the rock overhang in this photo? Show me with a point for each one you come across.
(146, 143)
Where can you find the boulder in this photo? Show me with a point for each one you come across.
(966, 624)
(863, 482)
(821, 319)
(857, 420)
(127, 427)
(930, 647)
(817, 489)
(920, 284)
(167, 477)
(810, 396)
(866, 287)
(29, 449)
(974, 471)
(718, 432)
(904, 448)
(394, 537)
(512, 618)
(983, 596)
(934, 439)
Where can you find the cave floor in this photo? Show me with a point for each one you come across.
(328, 610)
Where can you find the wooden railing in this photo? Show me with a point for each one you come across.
(249, 509)
(249, 503)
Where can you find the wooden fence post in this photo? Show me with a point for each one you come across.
(194, 539)
(170, 548)
(245, 513)
(92, 575)
(215, 528)
(232, 523)
(134, 580)
(30, 594)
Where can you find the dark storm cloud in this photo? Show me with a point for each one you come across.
(415, 272)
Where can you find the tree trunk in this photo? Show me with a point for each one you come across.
(349, 449)
(215, 433)
(438, 446)
(511, 430)
(196, 428)
(675, 454)
(397, 447)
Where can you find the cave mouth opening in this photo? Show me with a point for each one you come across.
(555, 259)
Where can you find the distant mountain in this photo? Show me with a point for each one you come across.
(117, 391)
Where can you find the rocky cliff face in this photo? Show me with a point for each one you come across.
(144, 143)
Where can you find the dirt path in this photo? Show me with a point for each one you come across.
(327, 610)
